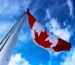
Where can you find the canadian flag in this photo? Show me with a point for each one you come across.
(44, 39)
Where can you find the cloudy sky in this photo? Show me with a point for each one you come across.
(57, 17)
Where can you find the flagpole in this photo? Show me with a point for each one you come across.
(9, 41)
(10, 32)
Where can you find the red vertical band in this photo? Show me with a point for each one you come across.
(31, 19)
(62, 45)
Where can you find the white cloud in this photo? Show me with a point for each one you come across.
(18, 60)
(8, 7)
(54, 27)
(55, 54)
(70, 5)
(24, 37)
(70, 59)
(48, 14)
(4, 28)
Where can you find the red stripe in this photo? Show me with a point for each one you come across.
(62, 45)
(31, 19)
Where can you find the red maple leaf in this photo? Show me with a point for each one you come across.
(41, 39)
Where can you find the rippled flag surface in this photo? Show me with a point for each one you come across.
(44, 39)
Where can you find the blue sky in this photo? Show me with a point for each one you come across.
(57, 17)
